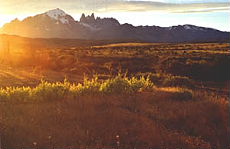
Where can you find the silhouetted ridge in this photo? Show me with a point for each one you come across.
(58, 24)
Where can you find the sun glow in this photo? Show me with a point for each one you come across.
(6, 18)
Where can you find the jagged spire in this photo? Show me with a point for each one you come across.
(83, 15)
(82, 19)
(88, 18)
(92, 16)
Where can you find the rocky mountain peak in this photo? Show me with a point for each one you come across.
(55, 13)
(58, 14)
(87, 19)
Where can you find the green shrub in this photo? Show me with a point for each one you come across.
(168, 80)
(157, 78)
(50, 91)
(15, 93)
(89, 87)
(116, 85)
(141, 84)
(121, 84)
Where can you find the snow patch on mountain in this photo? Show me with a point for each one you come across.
(64, 20)
(187, 27)
(58, 14)
(192, 27)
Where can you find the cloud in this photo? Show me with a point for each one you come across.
(169, 7)
(102, 6)
(220, 9)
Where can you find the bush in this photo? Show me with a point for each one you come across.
(121, 84)
(141, 84)
(89, 87)
(15, 93)
(116, 85)
(168, 80)
(50, 91)
(157, 78)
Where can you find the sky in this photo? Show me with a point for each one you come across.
(207, 13)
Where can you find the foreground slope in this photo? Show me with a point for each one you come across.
(98, 114)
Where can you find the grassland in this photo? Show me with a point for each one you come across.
(151, 95)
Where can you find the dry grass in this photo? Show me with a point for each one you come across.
(126, 45)
(148, 119)
(94, 112)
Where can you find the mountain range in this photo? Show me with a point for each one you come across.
(57, 24)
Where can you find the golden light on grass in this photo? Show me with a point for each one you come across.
(173, 89)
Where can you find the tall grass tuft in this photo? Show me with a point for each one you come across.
(50, 91)
(121, 84)
(47, 91)
(15, 94)
(88, 87)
